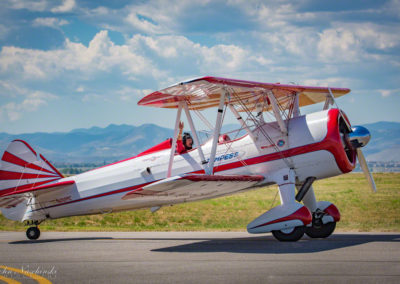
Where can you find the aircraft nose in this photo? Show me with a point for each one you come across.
(359, 137)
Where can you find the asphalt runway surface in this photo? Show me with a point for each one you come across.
(198, 257)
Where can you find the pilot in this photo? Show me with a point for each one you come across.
(184, 143)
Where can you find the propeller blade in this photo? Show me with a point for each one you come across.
(364, 167)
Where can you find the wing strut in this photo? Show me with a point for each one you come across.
(217, 131)
(277, 114)
(195, 137)
(296, 108)
(173, 146)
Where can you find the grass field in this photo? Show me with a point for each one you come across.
(361, 210)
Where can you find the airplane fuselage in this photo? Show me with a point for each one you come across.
(313, 148)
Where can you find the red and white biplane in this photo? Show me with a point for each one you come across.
(279, 146)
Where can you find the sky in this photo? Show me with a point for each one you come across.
(67, 64)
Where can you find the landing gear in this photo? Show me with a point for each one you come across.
(318, 228)
(289, 235)
(323, 231)
(33, 233)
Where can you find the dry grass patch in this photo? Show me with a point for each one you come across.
(361, 210)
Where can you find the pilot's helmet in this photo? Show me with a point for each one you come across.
(186, 136)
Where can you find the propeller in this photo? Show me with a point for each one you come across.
(358, 137)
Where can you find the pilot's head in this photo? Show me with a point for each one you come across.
(187, 141)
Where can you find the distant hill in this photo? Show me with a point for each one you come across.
(93, 145)
(116, 142)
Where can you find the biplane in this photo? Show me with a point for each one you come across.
(274, 144)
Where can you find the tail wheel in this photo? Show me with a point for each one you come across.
(289, 235)
(33, 233)
(322, 231)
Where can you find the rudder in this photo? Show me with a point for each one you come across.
(22, 168)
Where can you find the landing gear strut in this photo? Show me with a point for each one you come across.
(33, 233)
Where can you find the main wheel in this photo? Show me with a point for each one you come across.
(33, 233)
(289, 235)
(323, 231)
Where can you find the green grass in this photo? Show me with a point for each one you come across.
(361, 210)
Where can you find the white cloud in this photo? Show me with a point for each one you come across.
(49, 22)
(196, 58)
(338, 44)
(128, 94)
(352, 42)
(386, 93)
(101, 55)
(66, 6)
(13, 111)
(32, 5)
(144, 25)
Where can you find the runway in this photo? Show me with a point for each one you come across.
(199, 257)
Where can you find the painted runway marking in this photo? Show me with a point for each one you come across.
(9, 280)
(39, 279)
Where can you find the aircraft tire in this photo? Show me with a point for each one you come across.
(289, 235)
(33, 233)
(323, 231)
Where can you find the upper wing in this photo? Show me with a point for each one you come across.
(205, 92)
(195, 184)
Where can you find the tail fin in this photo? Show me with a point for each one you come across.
(21, 168)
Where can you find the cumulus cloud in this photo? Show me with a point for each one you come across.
(338, 44)
(100, 55)
(66, 6)
(134, 58)
(49, 22)
(180, 51)
(351, 42)
(144, 25)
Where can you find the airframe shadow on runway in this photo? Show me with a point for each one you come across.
(268, 244)
(257, 245)
(58, 240)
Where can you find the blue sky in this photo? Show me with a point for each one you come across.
(68, 64)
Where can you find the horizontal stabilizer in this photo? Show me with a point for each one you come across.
(11, 199)
(194, 183)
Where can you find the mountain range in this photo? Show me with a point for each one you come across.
(116, 142)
